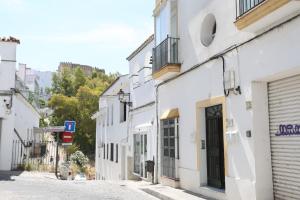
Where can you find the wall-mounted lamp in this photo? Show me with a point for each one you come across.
(123, 96)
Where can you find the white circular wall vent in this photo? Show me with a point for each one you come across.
(208, 30)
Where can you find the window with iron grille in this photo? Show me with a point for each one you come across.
(111, 151)
(104, 152)
(107, 151)
(117, 153)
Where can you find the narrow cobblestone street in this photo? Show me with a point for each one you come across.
(38, 186)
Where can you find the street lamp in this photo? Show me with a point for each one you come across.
(122, 98)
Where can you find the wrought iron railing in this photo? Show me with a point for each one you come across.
(166, 53)
(244, 6)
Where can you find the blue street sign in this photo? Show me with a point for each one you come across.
(70, 126)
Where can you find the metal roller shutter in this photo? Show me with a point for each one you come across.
(284, 113)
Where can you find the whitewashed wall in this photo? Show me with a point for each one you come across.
(269, 57)
(21, 116)
(116, 133)
(142, 90)
(7, 81)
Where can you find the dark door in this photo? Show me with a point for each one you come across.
(215, 147)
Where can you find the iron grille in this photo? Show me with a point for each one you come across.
(244, 6)
(166, 53)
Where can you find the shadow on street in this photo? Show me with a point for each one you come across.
(7, 175)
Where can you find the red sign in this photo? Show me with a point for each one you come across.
(67, 137)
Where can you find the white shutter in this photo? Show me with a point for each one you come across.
(284, 109)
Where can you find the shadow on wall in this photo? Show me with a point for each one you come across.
(7, 175)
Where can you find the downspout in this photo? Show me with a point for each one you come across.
(157, 134)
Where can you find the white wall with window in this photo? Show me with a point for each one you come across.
(112, 132)
(250, 119)
(142, 127)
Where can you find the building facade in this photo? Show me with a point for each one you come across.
(112, 132)
(17, 116)
(228, 97)
(142, 118)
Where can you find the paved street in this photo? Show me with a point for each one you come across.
(33, 186)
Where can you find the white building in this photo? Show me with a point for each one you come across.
(228, 101)
(142, 117)
(30, 78)
(17, 116)
(112, 132)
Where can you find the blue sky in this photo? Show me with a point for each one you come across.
(100, 33)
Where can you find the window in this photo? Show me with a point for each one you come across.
(208, 30)
(117, 153)
(137, 154)
(112, 115)
(145, 144)
(104, 152)
(107, 116)
(123, 112)
(107, 151)
(111, 151)
(170, 146)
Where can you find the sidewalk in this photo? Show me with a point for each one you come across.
(163, 192)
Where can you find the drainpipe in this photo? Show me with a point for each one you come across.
(157, 134)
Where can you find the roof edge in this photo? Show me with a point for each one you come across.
(118, 78)
(141, 47)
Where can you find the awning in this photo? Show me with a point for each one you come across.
(142, 127)
(169, 114)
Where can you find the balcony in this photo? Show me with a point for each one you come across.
(165, 59)
(256, 15)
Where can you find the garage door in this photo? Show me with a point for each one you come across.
(284, 111)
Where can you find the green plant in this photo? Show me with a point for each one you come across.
(79, 159)
(28, 167)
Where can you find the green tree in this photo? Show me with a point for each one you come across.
(79, 79)
(75, 97)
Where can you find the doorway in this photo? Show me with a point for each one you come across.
(215, 147)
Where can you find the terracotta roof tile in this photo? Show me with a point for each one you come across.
(10, 39)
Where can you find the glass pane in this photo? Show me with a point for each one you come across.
(166, 152)
(172, 153)
(166, 132)
(142, 144)
(165, 122)
(172, 132)
(145, 145)
(166, 142)
(172, 121)
(172, 142)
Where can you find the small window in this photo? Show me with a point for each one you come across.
(111, 151)
(107, 151)
(112, 115)
(107, 116)
(117, 153)
(208, 30)
(104, 151)
(123, 112)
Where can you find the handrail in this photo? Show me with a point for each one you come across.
(245, 6)
(22, 141)
(165, 53)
